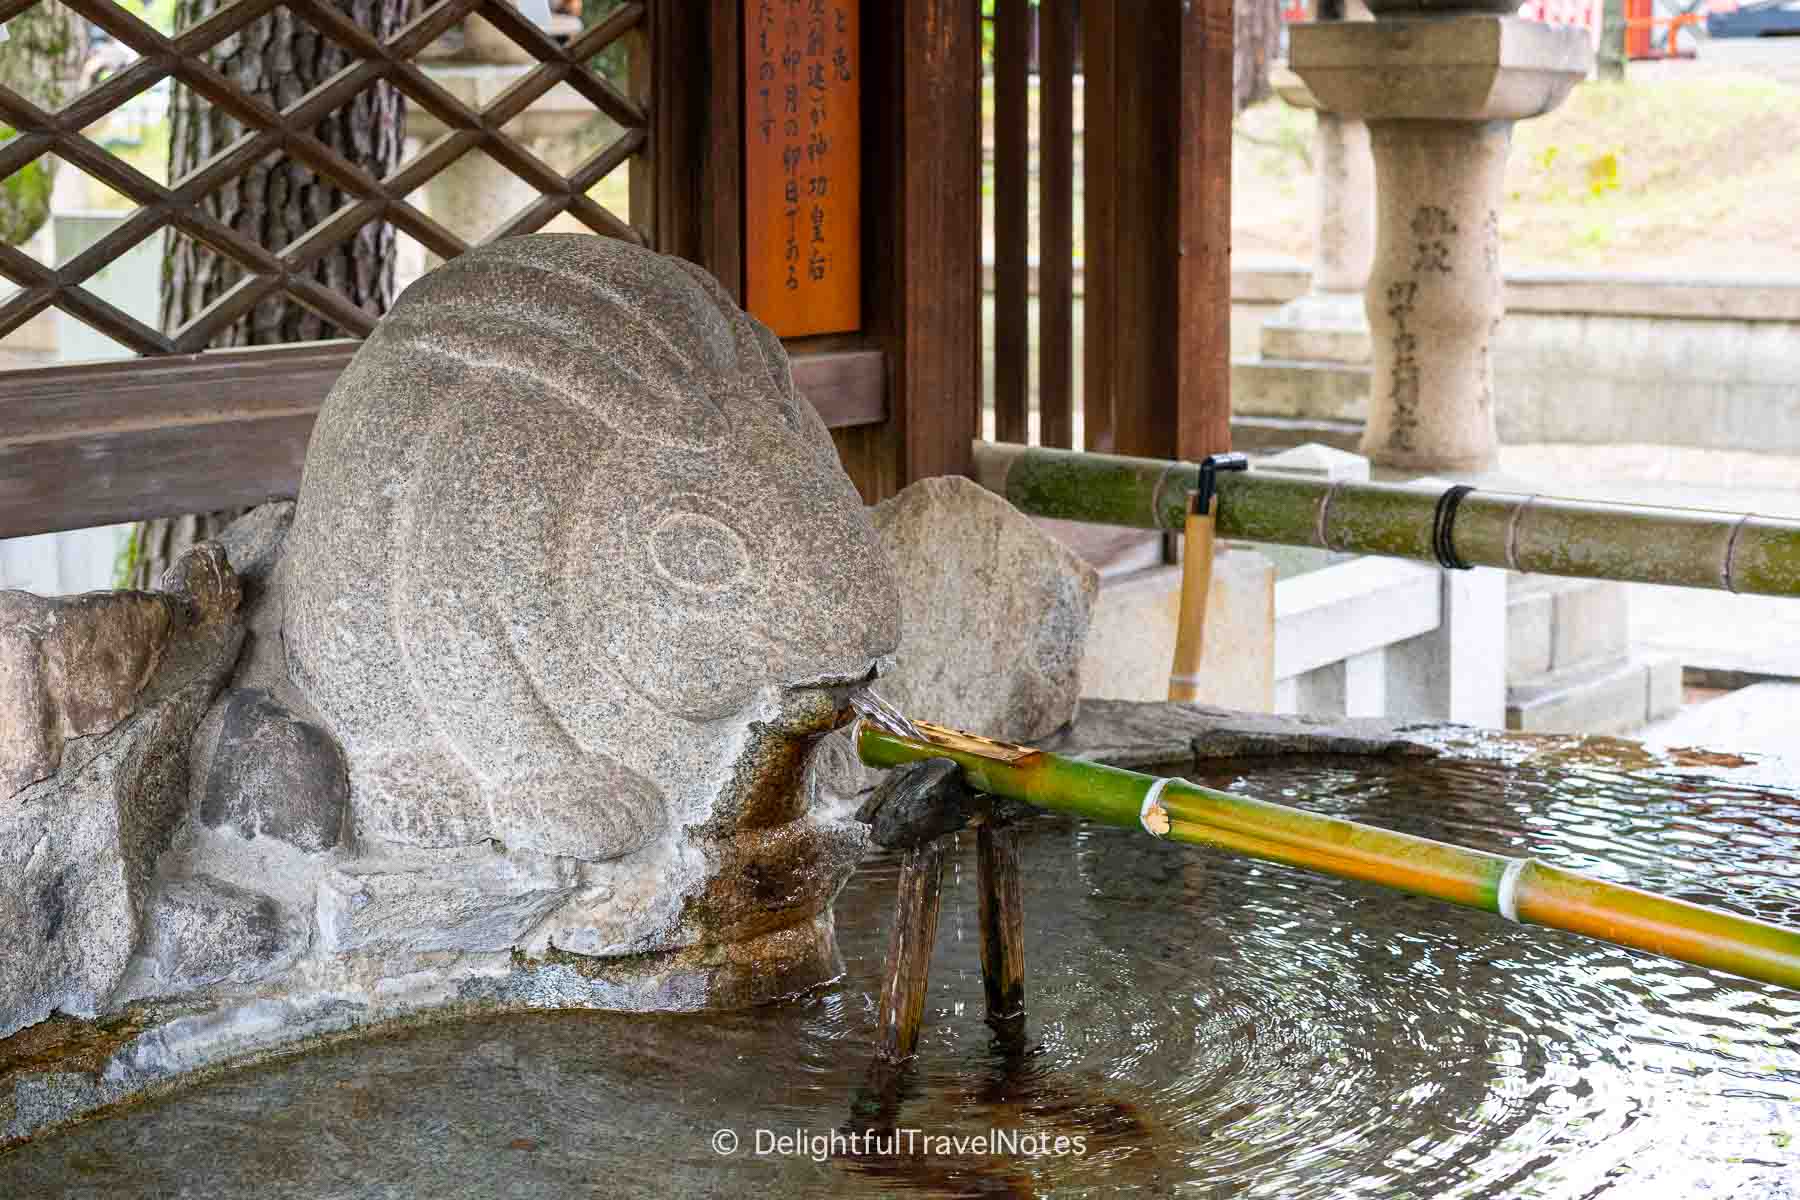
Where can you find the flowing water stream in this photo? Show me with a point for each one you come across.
(1198, 1023)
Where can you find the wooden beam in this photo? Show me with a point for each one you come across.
(922, 62)
(847, 387)
(96, 443)
(1012, 221)
(1100, 196)
(1056, 224)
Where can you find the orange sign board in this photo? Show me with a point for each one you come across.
(803, 165)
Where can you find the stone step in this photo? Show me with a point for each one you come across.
(1299, 344)
(1763, 718)
(1266, 435)
(1622, 696)
(1553, 624)
(1319, 326)
(1280, 387)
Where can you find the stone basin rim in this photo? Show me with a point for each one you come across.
(196, 1043)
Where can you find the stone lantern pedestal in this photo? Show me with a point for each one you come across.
(1439, 94)
(1327, 324)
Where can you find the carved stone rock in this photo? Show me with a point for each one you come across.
(575, 569)
(70, 667)
(262, 770)
(203, 931)
(415, 908)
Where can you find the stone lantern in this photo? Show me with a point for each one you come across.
(1440, 87)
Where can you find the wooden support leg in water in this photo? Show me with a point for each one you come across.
(905, 978)
(1002, 929)
(906, 975)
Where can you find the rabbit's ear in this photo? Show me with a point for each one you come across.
(758, 349)
(640, 341)
(761, 356)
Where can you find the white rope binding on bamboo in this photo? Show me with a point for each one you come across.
(1507, 899)
(1144, 813)
(1512, 532)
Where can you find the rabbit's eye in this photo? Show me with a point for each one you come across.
(692, 550)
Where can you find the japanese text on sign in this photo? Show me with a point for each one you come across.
(802, 165)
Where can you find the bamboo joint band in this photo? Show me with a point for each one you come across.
(1725, 569)
(1150, 816)
(1506, 897)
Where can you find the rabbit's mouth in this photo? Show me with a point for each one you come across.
(814, 707)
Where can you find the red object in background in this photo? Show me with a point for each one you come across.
(1637, 37)
(1295, 10)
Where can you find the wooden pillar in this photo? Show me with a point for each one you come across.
(922, 245)
(921, 214)
(688, 190)
(1012, 221)
(720, 183)
(1056, 223)
(1158, 186)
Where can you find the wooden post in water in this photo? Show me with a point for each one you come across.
(906, 974)
(1002, 929)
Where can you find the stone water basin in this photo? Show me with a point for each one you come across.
(1197, 1022)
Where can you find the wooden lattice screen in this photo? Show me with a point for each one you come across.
(182, 57)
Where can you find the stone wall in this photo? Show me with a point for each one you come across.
(1611, 359)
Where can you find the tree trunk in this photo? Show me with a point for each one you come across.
(1256, 41)
(41, 61)
(277, 59)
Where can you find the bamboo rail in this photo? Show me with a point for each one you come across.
(1521, 889)
(1734, 552)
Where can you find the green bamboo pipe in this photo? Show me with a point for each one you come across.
(1521, 889)
(1736, 552)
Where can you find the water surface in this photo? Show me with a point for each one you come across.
(1198, 1024)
